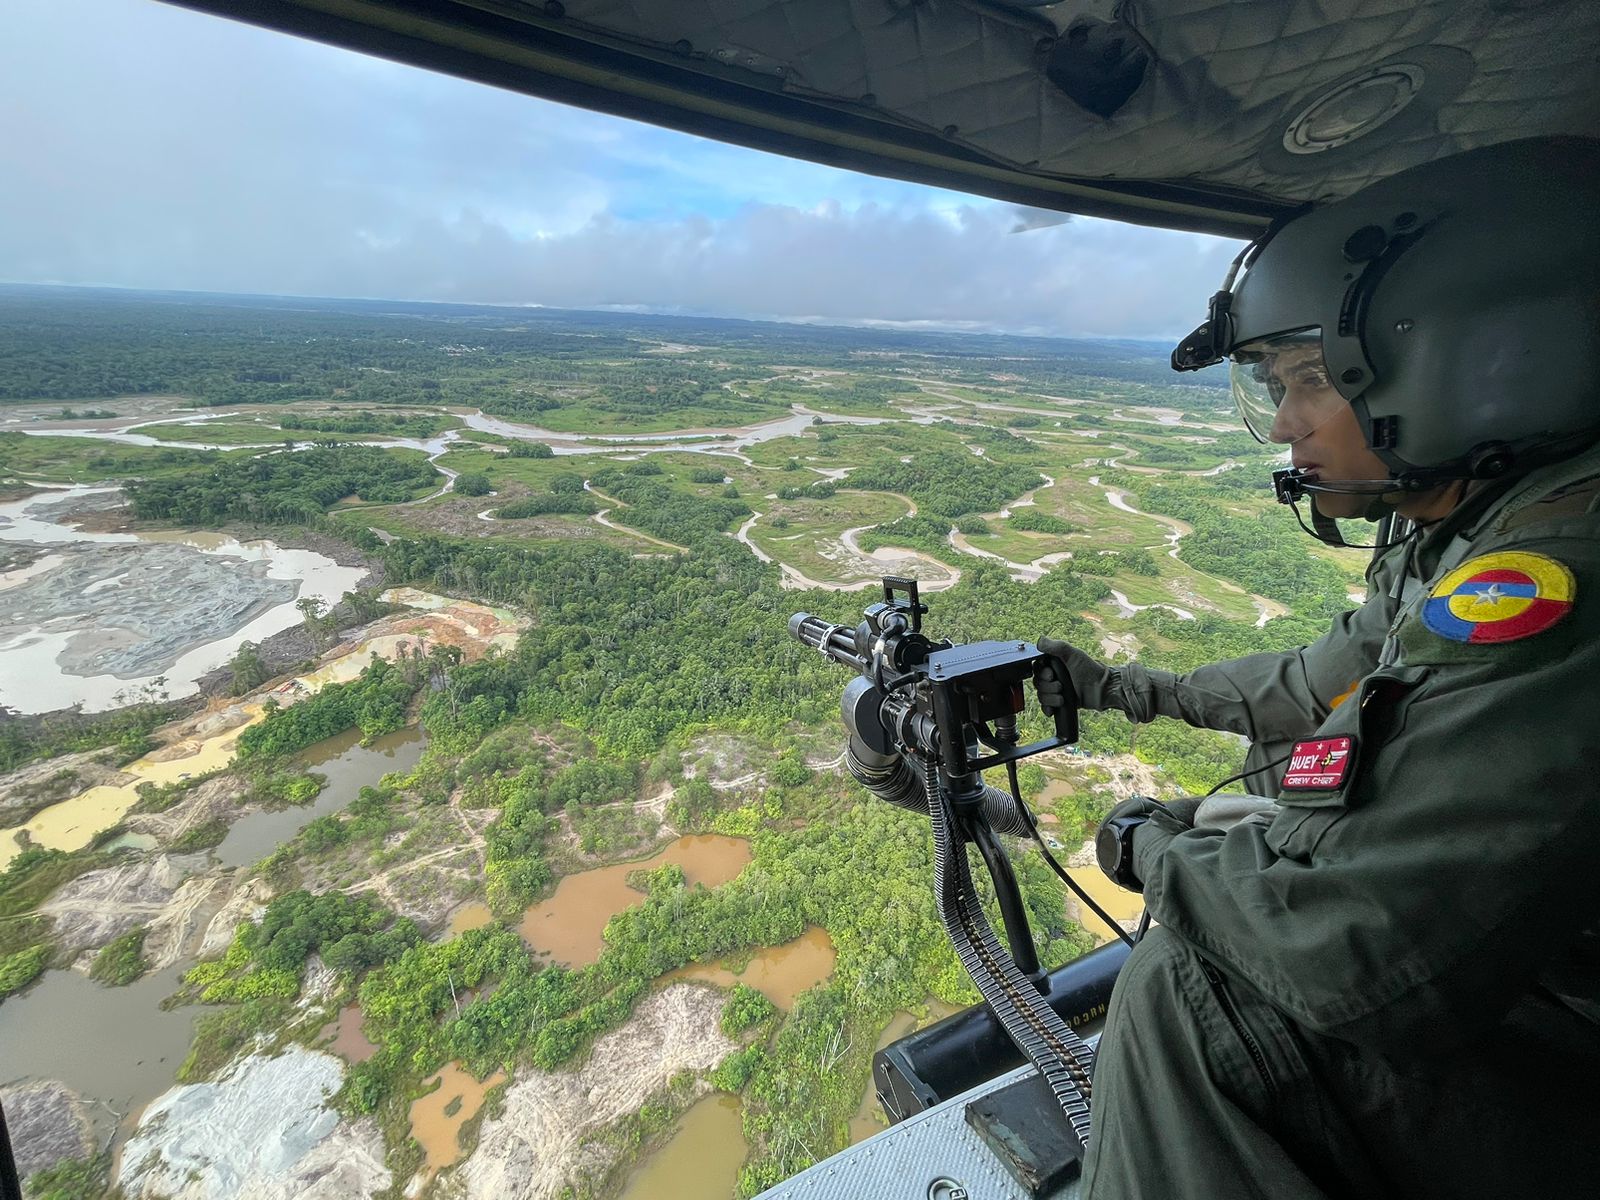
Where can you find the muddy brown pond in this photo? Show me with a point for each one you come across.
(568, 926)
(117, 1046)
(702, 1160)
(869, 1118)
(780, 973)
(114, 1045)
(436, 1118)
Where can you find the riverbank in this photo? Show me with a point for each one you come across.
(100, 609)
(204, 742)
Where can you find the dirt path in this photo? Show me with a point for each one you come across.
(600, 518)
(1029, 572)
(380, 884)
(888, 556)
(1266, 607)
(654, 807)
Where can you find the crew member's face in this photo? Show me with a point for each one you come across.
(1321, 430)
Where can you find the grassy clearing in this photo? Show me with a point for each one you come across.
(811, 541)
(1024, 548)
(82, 460)
(225, 433)
(1183, 587)
(456, 516)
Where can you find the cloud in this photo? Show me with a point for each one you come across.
(1027, 219)
(219, 157)
(869, 263)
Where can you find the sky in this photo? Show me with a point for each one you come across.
(148, 146)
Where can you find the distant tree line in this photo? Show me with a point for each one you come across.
(283, 487)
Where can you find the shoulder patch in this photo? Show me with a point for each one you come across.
(1500, 597)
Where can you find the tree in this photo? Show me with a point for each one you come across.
(745, 1007)
(363, 604)
(315, 615)
(249, 672)
(473, 483)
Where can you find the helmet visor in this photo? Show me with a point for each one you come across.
(1283, 388)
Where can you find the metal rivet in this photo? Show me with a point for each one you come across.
(1404, 325)
(1405, 220)
(1351, 375)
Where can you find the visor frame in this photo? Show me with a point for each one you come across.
(1259, 393)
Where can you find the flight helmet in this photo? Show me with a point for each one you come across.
(1454, 306)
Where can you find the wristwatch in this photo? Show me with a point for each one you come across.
(1113, 846)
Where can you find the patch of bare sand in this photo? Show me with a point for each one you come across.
(157, 893)
(539, 1145)
(1130, 777)
(38, 785)
(726, 760)
(47, 1124)
(246, 904)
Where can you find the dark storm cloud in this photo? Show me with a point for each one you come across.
(146, 146)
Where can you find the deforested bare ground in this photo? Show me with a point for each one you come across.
(540, 1141)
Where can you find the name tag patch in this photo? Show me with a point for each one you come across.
(1319, 765)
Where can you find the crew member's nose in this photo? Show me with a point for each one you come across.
(1289, 423)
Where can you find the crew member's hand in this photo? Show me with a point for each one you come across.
(1184, 809)
(1113, 841)
(1094, 682)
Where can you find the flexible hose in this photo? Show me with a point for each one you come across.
(901, 783)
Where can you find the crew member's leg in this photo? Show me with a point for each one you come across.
(1180, 1106)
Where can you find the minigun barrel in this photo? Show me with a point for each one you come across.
(838, 642)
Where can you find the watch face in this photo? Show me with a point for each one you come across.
(1113, 846)
(1108, 849)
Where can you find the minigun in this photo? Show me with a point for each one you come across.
(922, 698)
(925, 719)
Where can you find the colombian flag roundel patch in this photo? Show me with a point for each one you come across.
(1500, 597)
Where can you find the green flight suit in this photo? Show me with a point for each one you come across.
(1391, 987)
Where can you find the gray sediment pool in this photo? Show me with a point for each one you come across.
(348, 765)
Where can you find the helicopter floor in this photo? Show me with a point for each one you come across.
(934, 1155)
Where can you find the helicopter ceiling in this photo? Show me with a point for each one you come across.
(1206, 115)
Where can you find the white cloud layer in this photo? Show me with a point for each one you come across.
(146, 146)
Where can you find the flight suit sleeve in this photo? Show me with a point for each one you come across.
(1269, 697)
(1408, 906)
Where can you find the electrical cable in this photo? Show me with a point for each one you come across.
(1077, 888)
(1144, 917)
(1277, 762)
(1342, 544)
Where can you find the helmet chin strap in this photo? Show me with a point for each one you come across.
(1291, 485)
